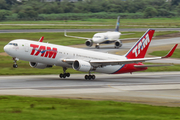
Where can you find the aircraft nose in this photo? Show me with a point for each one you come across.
(95, 40)
(6, 49)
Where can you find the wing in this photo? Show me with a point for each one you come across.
(97, 63)
(74, 36)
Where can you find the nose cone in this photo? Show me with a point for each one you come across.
(6, 48)
(96, 40)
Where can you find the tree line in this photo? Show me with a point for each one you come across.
(38, 10)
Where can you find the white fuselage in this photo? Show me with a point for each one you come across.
(106, 36)
(24, 51)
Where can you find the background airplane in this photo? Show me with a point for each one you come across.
(42, 55)
(103, 38)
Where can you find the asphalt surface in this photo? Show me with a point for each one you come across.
(160, 88)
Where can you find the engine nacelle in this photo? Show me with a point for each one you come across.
(118, 43)
(39, 65)
(89, 43)
(81, 65)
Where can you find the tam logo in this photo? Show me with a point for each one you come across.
(45, 51)
(141, 45)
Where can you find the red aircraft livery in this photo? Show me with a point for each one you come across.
(45, 51)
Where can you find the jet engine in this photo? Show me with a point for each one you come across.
(39, 65)
(118, 43)
(82, 66)
(89, 43)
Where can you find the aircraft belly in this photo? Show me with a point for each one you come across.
(108, 69)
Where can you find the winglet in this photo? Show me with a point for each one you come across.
(41, 39)
(171, 52)
(65, 33)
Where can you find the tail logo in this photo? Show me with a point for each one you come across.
(141, 45)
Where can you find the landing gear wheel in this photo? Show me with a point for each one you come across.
(64, 75)
(89, 77)
(93, 77)
(86, 77)
(97, 46)
(15, 65)
(67, 74)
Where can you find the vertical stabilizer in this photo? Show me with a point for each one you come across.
(118, 23)
(140, 48)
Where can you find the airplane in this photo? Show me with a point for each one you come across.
(103, 38)
(43, 55)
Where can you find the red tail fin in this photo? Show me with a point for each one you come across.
(140, 48)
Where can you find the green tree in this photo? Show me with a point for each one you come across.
(150, 12)
(3, 4)
(11, 2)
(4, 14)
(27, 12)
(175, 2)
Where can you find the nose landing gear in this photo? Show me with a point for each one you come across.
(97, 46)
(15, 60)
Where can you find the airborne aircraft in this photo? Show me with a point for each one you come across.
(103, 38)
(42, 55)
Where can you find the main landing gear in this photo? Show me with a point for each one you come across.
(15, 64)
(64, 75)
(89, 77)
(97, 46)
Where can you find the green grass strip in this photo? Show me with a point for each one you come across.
(31, 108)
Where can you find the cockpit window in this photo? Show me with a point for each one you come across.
(97, 36)
(15, 44)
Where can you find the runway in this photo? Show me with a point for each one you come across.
(86, 30)
(159, 88)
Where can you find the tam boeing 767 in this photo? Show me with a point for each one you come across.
(42, 55)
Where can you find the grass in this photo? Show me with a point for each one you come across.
(93, 24)
(28, 108)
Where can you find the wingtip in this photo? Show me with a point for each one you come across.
(171, 51)
(65, 33)
(41, 39)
